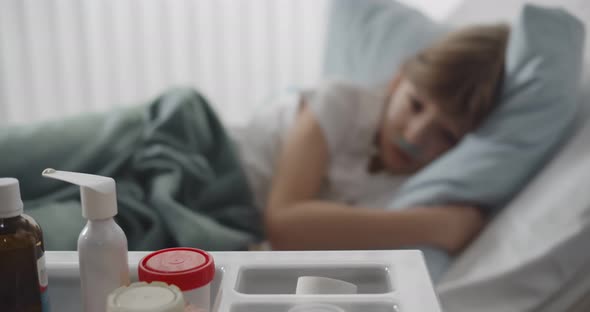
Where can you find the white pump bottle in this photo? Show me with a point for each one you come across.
(102, 244)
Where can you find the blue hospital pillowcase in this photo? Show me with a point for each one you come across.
(367, 40)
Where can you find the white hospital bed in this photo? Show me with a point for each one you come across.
(535, 255)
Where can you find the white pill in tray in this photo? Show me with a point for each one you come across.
(317, 285)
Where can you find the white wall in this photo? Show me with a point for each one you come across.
(63, 57)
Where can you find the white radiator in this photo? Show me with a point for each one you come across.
(64, 57)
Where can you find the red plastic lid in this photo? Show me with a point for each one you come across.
(187, 268)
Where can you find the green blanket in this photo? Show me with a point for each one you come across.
(179, 182)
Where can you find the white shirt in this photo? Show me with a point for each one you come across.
(348, 116)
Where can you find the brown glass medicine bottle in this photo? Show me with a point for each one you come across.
(23, 279)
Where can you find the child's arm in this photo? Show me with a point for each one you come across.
(294, 220)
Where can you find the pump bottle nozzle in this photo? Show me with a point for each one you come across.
(98, 193)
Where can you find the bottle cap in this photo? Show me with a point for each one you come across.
(187, 268)
(11, 204)
(98, 193)
(144, 297)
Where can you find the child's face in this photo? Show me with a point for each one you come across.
(415, 130)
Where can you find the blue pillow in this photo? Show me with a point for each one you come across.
(538, 103)
(367, 40)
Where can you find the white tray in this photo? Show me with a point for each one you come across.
(388, 281)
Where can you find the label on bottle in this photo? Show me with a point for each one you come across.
(42, 272)
(43, 282)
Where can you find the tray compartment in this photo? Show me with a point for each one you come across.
(275, 280)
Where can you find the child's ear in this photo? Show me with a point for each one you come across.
(394, 84)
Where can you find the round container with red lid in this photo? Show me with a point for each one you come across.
(190, 269)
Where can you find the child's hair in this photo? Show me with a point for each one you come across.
(464, 71)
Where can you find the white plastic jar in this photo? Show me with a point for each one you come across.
(153, 297)
(191, 269)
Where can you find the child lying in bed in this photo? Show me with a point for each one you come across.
(315, 155)
(309, 160)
